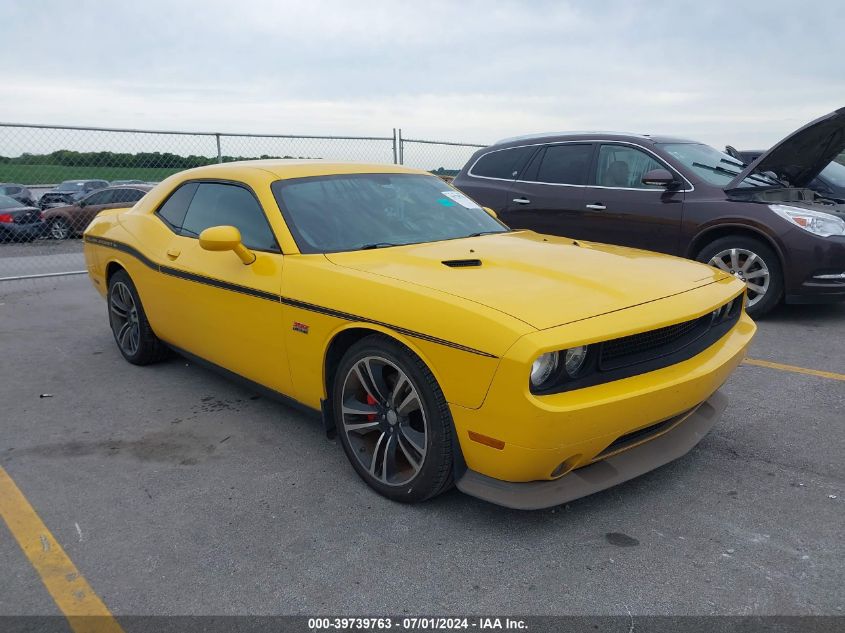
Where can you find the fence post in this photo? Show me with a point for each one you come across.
(401, 148)
(219, 154)
(395, 155)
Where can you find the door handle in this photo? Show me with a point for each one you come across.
(522, 200)
(173, 253)
(598, 206)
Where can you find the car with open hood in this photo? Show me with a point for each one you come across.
(762, 222)
(440, 346)
(69, 192)
(829, 184)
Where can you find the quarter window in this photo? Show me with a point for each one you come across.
(176, 206)
(216, 204)
(503, 163)
(565, 164)
(622, 166)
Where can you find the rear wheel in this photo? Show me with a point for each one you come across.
(60, 229)
(393, 421)
(132, 332)
(752, 261)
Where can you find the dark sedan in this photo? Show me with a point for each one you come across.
(67, 221)
(19, 192)
(760, 222)
(69, 192)
(19, 223)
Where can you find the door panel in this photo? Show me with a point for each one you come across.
(623, 210)
(228, 313)
(549, 197)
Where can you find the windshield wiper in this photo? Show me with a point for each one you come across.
(480, 233)
(367, 247)
(718, 169)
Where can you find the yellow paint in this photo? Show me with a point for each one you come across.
(533, 294)
(798, 370)
(84, 610)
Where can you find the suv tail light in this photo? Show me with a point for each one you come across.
(6, 218)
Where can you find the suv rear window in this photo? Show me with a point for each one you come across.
(502, 163)
(565, 164)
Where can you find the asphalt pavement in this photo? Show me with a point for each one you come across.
(175, 491)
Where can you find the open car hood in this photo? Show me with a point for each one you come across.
(800, 157)
(541, 280)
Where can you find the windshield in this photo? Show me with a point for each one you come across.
(71, 186)
(357, 211)
(714, 166)
(835, 173)
(9, 203)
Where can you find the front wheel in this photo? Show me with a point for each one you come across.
(393, 421)
(60, 229)
(753, 262)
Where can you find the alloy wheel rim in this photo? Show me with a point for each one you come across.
(59, 230)
(746, 266)
(384, 420)
(124, 317)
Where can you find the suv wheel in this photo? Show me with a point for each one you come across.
(752, 261)
(59, 229)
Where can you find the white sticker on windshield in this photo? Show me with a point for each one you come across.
(461, 199)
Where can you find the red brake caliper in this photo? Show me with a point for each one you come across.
(371, 401)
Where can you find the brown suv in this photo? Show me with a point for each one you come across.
(759, 222)
(65, 222)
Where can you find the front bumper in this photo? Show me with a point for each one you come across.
(814, 258)
(603, 474)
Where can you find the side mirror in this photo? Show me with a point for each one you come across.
(490, 212)
(82, 204)
(226, 238)
(658, 178)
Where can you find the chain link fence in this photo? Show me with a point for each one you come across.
(55, 179)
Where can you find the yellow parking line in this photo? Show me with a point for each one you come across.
(798, 370)
(83, 609)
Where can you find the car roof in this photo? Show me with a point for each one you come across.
(144, 187)
(552, 137)
(296, 168)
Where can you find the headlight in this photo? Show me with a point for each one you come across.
(818, 222)
(573, 360)
(543, 368)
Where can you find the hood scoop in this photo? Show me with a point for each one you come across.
(461, 263)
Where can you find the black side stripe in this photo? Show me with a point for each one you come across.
(269, 296)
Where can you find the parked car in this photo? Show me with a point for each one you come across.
(758, 222)
(19, 223)
(439, 344)
(71, 220)
(69, 192)
(19, 192)
(830, 183)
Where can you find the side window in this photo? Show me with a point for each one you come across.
(565, 164)
(127, 195)
(217, 204)
(623, 166)
(504, 163)
(101, 197)
(176, 206)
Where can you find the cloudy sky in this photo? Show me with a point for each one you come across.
(740, 72)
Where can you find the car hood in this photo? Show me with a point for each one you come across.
(541, 280)
(803, 154)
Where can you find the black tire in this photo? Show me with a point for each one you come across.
(60, 229)
(132, 332)
(409, 481)
(759, 304)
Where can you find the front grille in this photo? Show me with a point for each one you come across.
(635, 437)
(639, 348)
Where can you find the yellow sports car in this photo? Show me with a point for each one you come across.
(443, 347)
